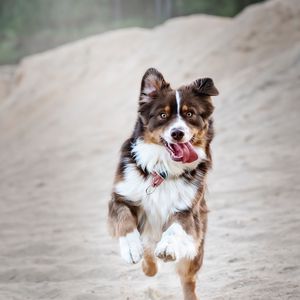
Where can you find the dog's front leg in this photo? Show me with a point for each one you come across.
(183, 243)
(177, 241)
(124, 226)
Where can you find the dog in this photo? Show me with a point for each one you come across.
(158, 208)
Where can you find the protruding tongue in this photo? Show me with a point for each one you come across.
(183, 152)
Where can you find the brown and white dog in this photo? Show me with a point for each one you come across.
(158, 208)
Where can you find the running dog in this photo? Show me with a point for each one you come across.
(158, 208)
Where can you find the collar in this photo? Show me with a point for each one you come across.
(157, 179)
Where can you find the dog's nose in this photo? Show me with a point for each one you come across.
(177, 134)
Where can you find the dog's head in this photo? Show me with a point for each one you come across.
(177, 119)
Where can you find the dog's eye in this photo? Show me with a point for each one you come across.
(163, 115)
(189, 114)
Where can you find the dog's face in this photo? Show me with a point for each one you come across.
(176, 119)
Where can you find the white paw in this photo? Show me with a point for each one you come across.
(175, 244)
(131, 247)
(166, 249)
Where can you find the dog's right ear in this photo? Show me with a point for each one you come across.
(152, 83)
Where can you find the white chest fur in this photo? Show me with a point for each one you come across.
(171, 196)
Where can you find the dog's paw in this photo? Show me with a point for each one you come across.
(175, 244)
(131, 247)
(166, 249)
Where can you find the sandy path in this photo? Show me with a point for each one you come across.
(69, 110)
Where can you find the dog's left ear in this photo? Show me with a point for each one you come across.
(152, 83)
(205, 86)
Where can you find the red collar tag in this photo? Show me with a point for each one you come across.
(156, 179)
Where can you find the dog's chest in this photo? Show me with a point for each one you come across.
(171, 196)
(168, 198)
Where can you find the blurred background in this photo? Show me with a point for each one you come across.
(65, 112)
(28, 27)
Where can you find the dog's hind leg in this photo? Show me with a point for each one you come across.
(187, 270)
(149, 264)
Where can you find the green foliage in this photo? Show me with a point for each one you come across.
(30, 26)
(227, 8)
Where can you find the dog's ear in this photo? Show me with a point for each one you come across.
(205, 86)
(152, 83)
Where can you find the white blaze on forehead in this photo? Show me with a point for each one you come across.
(179, 123)
(178, 102)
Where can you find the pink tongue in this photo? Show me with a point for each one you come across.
(183, 152)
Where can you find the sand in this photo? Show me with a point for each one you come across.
(64, 114)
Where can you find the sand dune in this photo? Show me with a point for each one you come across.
(64, 114)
